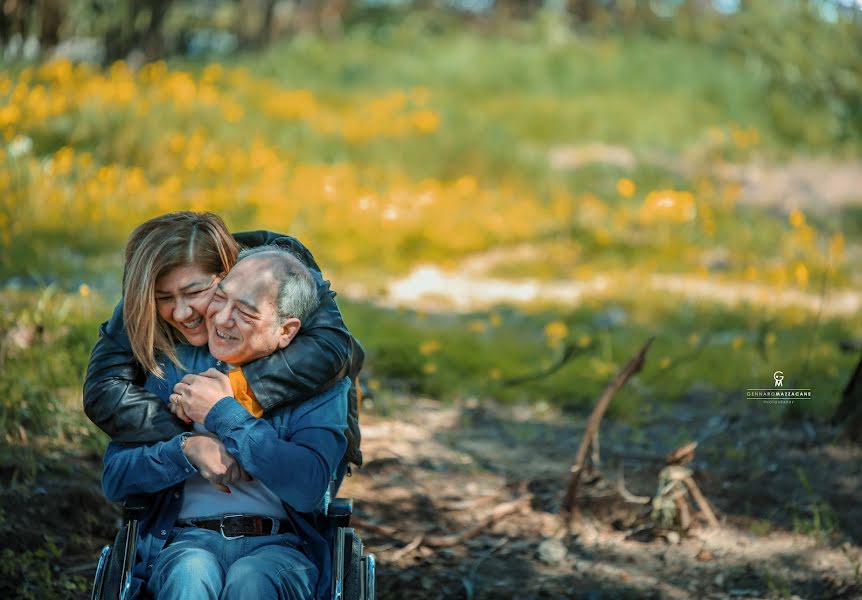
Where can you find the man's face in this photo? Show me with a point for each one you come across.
(242, 320)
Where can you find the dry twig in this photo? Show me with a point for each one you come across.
(701, 501)
(627, 495)
(498, 513)
(633, 367)
(469, 581)
(414, 543)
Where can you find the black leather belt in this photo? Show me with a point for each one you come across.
(232, 527)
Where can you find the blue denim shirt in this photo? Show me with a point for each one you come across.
(294, 451)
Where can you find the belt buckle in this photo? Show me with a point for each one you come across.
(221, 528)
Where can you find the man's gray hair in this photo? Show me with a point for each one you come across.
(297, 289)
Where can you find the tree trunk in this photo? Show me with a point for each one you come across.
(50, 18)
(154, 39)
(849, 412)
(265, 36)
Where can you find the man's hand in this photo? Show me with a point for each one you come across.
(210, 457)
(195, 395)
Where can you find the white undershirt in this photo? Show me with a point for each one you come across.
(201, 499)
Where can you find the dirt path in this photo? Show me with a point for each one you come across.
(787, 499)
(468, 289)
(815, 184)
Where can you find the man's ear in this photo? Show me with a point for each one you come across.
(288, 331)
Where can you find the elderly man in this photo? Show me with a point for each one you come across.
(253, 532)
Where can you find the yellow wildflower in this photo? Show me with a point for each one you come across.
(555, 333)
(425, 121)
(477, 326)
(626, 187)
(796, 218)
(429, 347)
(800, 272)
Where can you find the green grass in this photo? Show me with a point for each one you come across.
(697, 347)
(504, 95)
(712, 352)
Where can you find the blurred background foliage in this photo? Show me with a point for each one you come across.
(588, 146)
(509, 196)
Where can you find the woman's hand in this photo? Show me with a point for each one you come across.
(195, 395)
(177, 409)
(209, 456)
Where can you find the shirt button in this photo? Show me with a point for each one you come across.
(164, 532)
(176, 495)
(188, 470)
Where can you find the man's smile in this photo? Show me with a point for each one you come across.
(224, 335)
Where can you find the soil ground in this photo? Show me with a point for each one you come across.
(787, 496)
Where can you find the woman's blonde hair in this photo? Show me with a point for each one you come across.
(154, 249)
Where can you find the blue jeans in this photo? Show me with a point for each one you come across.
(199, 564)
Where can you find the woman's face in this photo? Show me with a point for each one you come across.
(182, 297)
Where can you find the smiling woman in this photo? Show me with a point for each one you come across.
(182, 297)
(172, 265)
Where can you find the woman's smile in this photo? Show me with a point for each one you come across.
(182, 298)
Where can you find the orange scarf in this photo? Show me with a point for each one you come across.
(243, 394)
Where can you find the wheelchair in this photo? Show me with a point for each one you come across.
(353, 571)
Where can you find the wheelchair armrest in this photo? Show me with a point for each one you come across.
(134, 507)
(340, 510)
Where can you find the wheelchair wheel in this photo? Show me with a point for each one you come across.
(353, 588)
(113, 574)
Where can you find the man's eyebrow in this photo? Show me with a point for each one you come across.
(249, 306)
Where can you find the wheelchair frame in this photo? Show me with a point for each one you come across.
(353, 571)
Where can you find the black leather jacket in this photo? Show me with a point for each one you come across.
(318, 357)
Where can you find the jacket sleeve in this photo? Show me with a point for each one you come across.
(114, 398)
(144, 469)
(297, 465)
(318, 357)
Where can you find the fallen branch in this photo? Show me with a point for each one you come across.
(633, 367)
(682, 455)
(414, 543)
(627, 495)
(569, 352)
(701, 501)
(469, 581)
(498, 513)
(383, 530)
